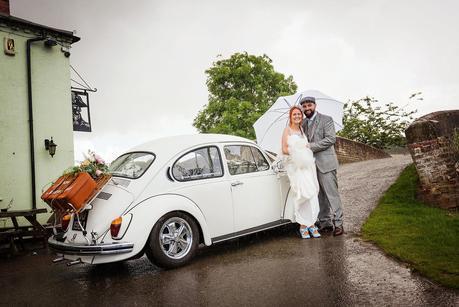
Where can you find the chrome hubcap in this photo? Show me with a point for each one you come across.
(176, 238)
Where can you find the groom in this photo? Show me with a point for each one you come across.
(320, 130)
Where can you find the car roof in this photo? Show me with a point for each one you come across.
(171, 145)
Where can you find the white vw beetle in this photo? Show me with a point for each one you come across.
(169, 195)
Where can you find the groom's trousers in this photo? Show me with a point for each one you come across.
(331, 208)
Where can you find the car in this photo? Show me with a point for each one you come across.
(169, 196)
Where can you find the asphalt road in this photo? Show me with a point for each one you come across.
(272, 268)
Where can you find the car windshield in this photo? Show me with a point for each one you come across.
(131, 165)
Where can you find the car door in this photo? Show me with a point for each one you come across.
(200, 177)
(254, 187)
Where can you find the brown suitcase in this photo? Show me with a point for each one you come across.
(73, 189)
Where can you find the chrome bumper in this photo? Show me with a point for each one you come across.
(88, 250)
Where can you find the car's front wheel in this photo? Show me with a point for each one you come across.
(173, 240)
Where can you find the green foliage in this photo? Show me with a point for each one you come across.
(425, 237)
(241, 89)
(380, 127)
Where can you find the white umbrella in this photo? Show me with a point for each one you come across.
(269, 127)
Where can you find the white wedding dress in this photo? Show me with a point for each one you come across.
(301, 171)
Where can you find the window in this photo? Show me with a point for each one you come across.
(245, 159)
(198, 164)
(260, 160)
(131, 165)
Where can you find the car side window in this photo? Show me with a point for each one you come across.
(198, 164)
(244, 159)
(131, 165)
(260, 160)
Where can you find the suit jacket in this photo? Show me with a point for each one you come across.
(322, 138)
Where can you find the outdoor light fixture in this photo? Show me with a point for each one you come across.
(65, 51)
(50, 146)
(50, 43)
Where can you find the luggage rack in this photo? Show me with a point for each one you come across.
(61, 198)
(57, 196)
(100, 184)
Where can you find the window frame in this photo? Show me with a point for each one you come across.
(251, 146)
(171, 171)
(261, 153)
(133, 152)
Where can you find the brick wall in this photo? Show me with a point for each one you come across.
(5, 7)
(352, 151)
(430, 144)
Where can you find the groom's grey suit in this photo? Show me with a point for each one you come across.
(322, 137)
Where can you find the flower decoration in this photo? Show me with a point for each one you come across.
(93, 164)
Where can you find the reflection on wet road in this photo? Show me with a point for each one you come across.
(273, 268)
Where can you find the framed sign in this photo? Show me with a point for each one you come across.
(8, 46)
(80, 111)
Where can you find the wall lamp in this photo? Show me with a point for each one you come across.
(65, 51)
(50, 146)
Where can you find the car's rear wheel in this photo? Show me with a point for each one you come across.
(173, 240)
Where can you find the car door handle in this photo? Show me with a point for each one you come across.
(233, 184)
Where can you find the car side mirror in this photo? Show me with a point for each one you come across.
(278, 166)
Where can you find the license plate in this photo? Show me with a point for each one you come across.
(83, 217)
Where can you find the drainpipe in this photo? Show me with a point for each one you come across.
(29, 90)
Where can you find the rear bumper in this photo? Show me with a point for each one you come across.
(89, 250)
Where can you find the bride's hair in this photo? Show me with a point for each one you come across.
(291, 113)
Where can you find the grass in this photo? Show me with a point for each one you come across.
(425, 237)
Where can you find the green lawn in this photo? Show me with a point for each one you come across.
(425, 237)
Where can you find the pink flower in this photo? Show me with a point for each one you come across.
(98, 172)
(99, 159)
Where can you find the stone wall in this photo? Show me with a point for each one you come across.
(352, 151)
(430, 143)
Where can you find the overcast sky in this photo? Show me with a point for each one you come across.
(147, 58)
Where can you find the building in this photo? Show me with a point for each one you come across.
(36, 109)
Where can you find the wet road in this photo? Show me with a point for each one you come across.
(272, 268)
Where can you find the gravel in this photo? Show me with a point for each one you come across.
(361, 185)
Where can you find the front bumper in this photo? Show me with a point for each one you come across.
(89, 250)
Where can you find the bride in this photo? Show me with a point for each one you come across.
(301, 171)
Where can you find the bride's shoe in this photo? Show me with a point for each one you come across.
(314, 231)
(305, 233)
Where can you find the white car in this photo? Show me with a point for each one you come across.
(170, 195)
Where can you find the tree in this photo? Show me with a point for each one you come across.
(241, 89)
(380, 127)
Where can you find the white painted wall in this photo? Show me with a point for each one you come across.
(52, 118)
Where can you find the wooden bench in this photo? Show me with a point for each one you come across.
(35, 229)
